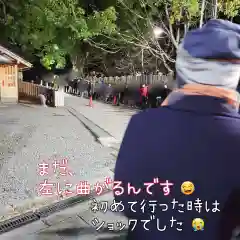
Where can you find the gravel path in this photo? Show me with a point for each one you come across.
(31, 135)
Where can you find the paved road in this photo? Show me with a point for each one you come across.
(113, 119)
(29, 136)
(50, 134)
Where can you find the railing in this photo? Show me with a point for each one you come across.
(27, 89)
(29, 92)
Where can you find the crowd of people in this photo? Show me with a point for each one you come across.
(144, 96)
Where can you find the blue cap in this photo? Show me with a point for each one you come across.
(217, 39)
(210, 55)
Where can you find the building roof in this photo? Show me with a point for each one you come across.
(8, 57)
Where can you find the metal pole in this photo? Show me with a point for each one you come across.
(142, 60)
(215, 8)
(156, 63)
(202, 13)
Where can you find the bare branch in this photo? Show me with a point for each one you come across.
(96, 45)
(170, 28)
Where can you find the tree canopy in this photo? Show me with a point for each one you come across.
(121, 35)
(51, 29)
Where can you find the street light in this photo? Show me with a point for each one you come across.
(157, 32)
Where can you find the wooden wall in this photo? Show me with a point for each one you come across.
(8, 83)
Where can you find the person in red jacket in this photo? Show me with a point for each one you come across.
(144, 95)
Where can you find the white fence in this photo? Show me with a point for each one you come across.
(148, 79)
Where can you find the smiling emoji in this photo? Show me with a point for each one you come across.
(187, 188)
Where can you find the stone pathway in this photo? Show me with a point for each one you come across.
(113, 119)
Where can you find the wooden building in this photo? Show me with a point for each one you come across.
(10, 67)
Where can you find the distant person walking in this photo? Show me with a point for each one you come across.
(89, 89)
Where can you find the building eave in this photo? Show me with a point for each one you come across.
(23, 64)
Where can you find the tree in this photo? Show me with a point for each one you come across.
(140, 18)
(114, 34)
(53, 28)
(230, 8)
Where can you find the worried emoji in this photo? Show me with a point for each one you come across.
(198, 224)
(187, 188)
